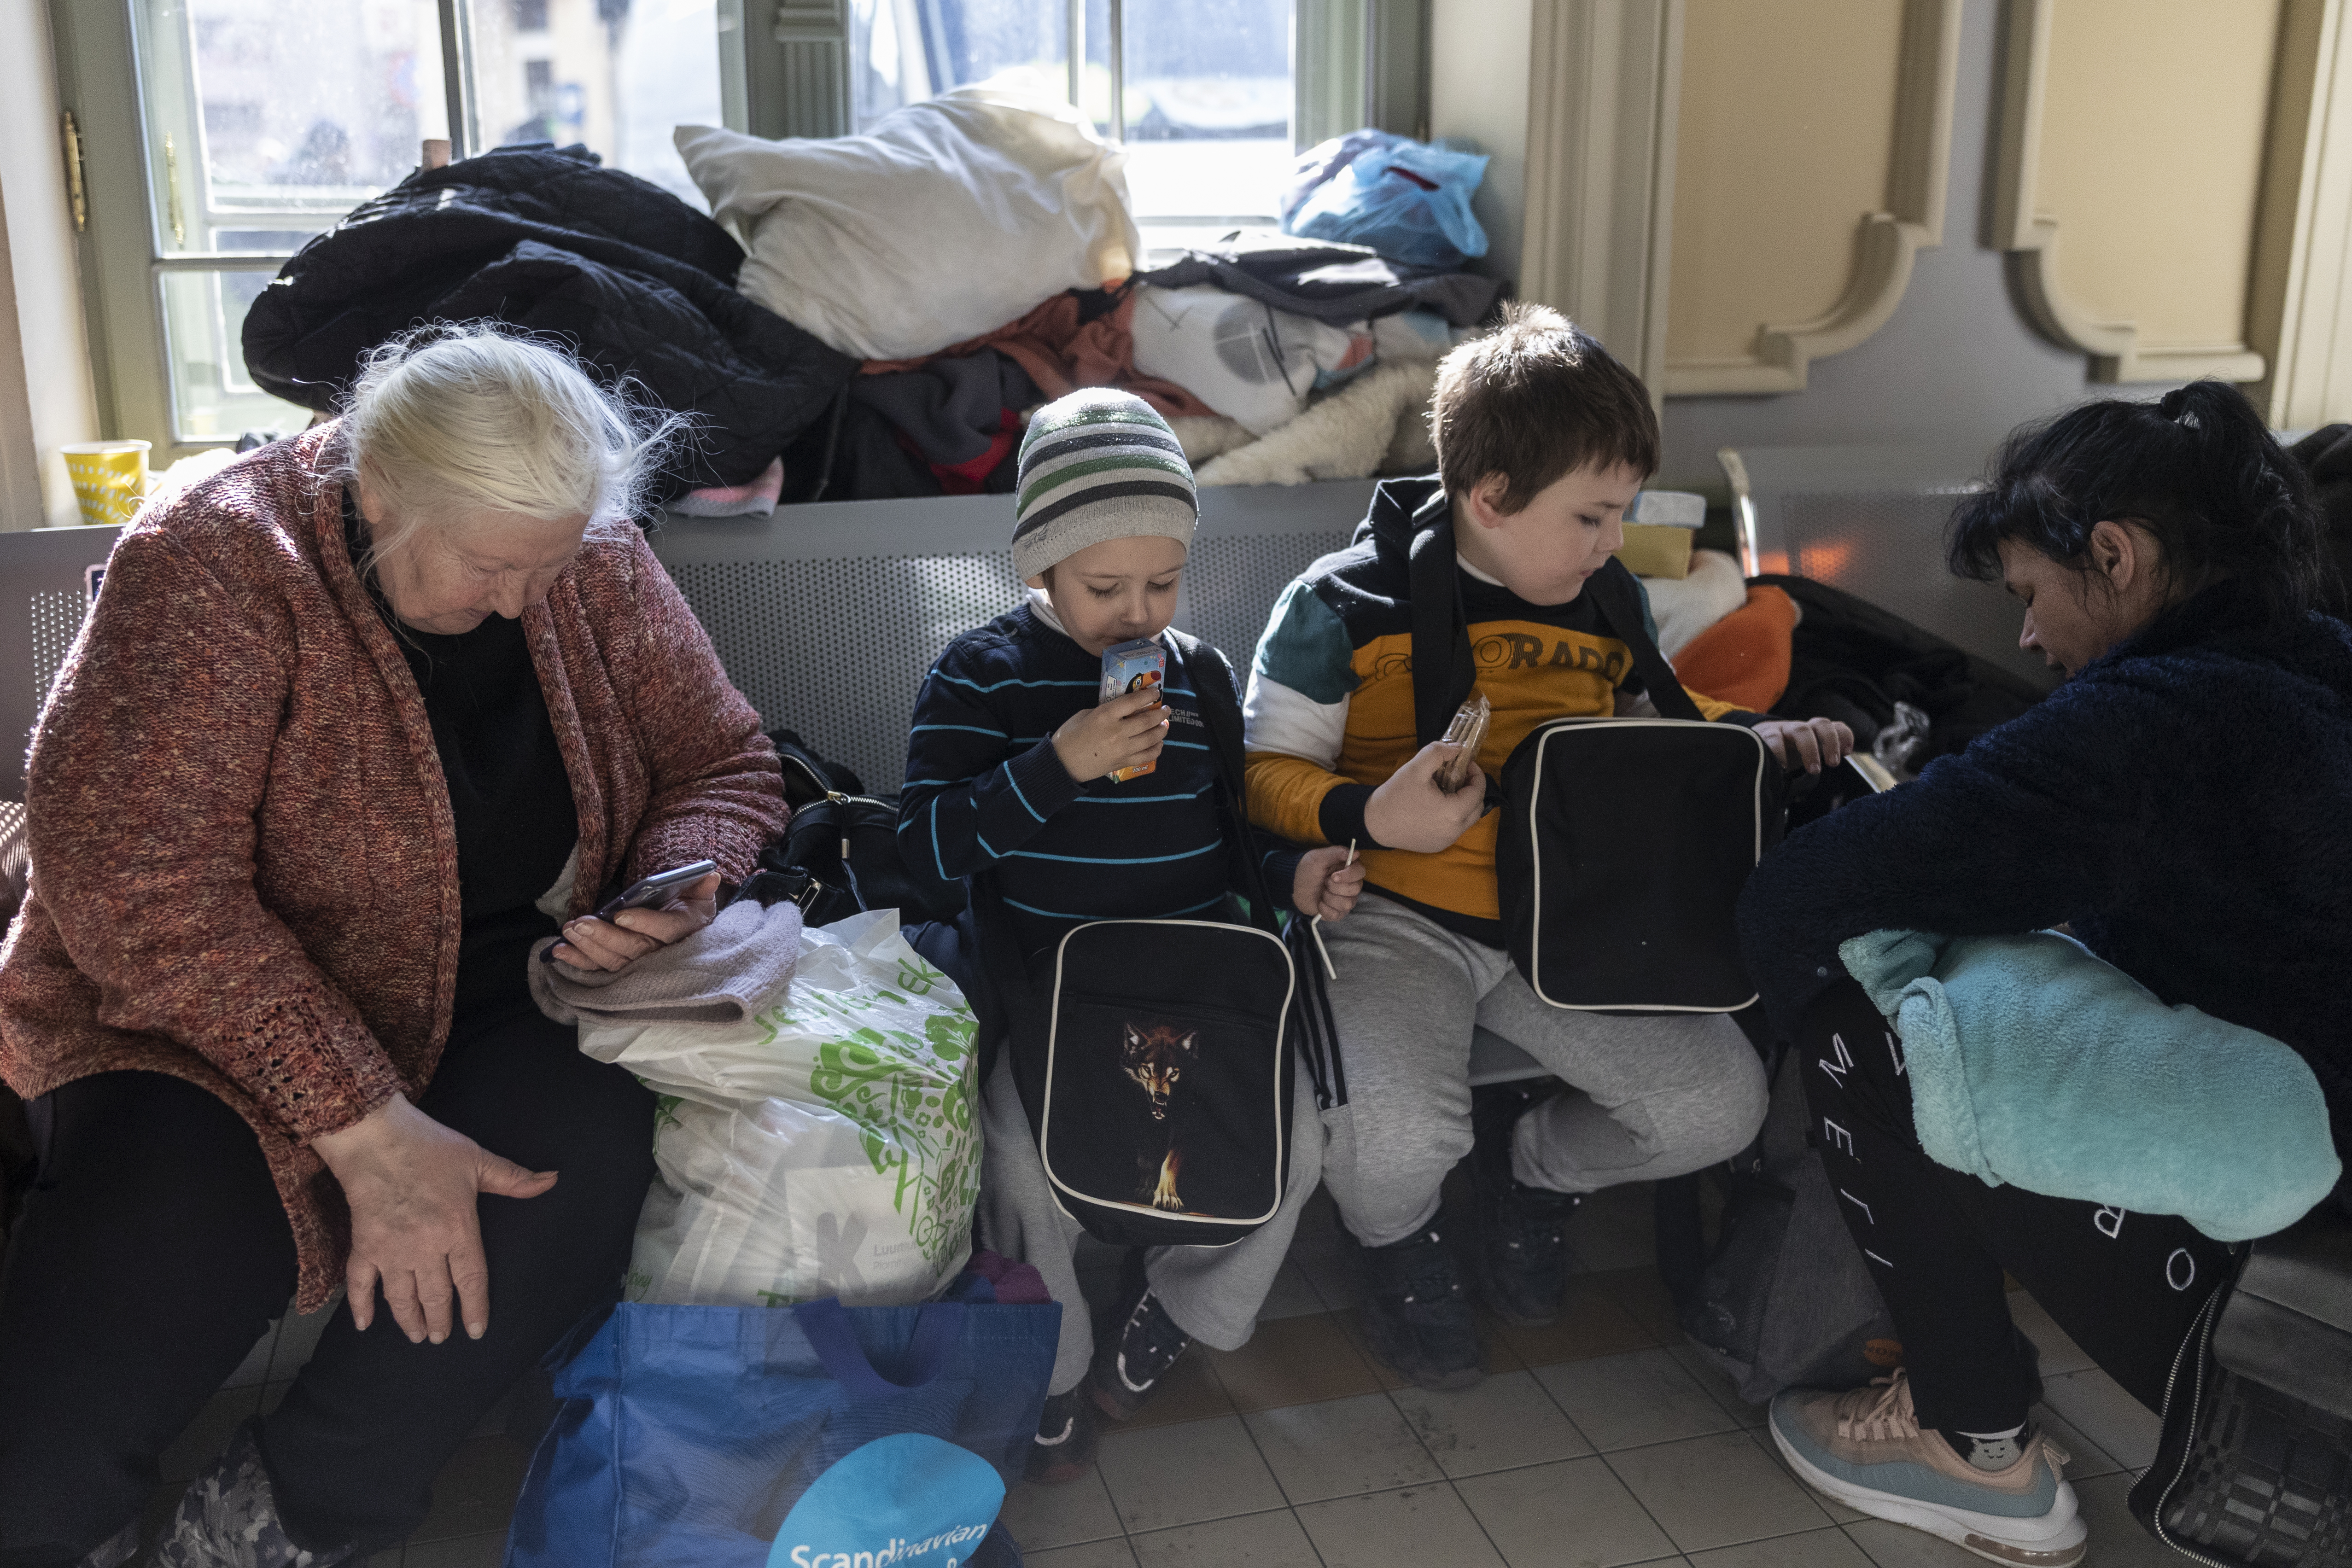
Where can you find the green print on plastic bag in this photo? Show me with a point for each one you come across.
(908, 1094)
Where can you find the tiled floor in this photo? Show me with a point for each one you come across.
(1603, 1439)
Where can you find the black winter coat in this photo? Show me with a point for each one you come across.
(638, 283)
(2181, 803)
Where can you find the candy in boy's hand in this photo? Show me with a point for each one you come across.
(1467, 733)
(1135, 667)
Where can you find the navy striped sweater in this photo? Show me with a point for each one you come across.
(985, 792)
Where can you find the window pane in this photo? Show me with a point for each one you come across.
(1207, 91)
(618, 75)
(282, 115)
(903, 51)
(1207, 106)
(203, 325)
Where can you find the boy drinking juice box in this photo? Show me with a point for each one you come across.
(1060, 751)
(1543, 440)
(1138, 666)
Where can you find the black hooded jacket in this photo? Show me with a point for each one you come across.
(636, 282)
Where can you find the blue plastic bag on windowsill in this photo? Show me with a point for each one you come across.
(1405, 199)
(811, 1436)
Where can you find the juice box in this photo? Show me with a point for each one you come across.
(1140, 665)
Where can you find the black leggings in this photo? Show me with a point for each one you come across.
(2124, 1285)
(154, 1251)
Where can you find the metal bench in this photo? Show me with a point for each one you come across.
(826, 617)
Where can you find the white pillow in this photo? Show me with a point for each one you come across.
(953, 217)
(1685, 607)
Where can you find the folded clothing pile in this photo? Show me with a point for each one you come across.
(975, 251)
(951, 217)
(636, 282)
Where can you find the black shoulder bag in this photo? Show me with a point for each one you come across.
(2254, 1470)
(839, 853)
(1154, 1057)
(1624, 842)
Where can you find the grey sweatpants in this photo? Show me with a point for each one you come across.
(1213, 1293)
(1653, 1096)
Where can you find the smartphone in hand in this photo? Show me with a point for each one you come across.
(647, 893)
(657, 888)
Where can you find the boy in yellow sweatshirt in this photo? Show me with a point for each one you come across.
(1543, 440)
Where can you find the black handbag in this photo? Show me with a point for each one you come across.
(839, 854)
(1624, 842)
(1155, 1058)
(2254, 1470)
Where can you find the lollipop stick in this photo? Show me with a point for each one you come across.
(1313, 926)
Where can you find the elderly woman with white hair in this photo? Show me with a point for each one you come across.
(352, 726)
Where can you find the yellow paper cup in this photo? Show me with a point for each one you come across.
(109, 478)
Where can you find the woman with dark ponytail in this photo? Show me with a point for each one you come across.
(2181, 806)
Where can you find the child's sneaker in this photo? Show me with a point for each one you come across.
(1866, 1448)
(1129, 1364)
(1415, 1313)
(1064, 1448)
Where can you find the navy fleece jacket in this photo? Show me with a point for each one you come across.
(986, 791)
(2184, 804)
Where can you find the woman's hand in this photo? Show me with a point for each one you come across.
(1410, 812)
(1125, 731)
(1811, 744)
(592, 944)
(410, 1184)
(1326, 883)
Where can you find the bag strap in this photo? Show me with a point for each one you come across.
(1443, 667)
(1214, 689)
(939, 1329)
(1617, 598)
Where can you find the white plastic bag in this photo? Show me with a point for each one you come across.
(954, 216)
(1245, 359)
(827, 1147)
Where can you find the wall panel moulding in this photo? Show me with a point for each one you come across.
(2128, 173)
(1810, 169)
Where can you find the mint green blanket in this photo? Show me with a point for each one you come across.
(2034, 1063)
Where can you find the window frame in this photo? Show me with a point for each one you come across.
(783, 71)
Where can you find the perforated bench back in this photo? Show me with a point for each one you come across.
(1871, 520)
(826, 617)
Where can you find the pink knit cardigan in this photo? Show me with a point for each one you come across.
(244, 870)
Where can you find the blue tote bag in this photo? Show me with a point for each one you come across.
(810, 1436)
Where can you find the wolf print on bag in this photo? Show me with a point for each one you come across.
(1156, 1057)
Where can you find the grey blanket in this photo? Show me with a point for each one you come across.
(722, 973)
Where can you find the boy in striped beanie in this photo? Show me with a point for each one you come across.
(1008, 772)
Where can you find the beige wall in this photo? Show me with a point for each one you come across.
(1787, 124)
(61, 403)
(2131, 171)
(2151, 157)
(1810, 154)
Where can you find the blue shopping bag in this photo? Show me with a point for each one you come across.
(811, 1436)
(1408, 200)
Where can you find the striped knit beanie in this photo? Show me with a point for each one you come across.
(1097, 464)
